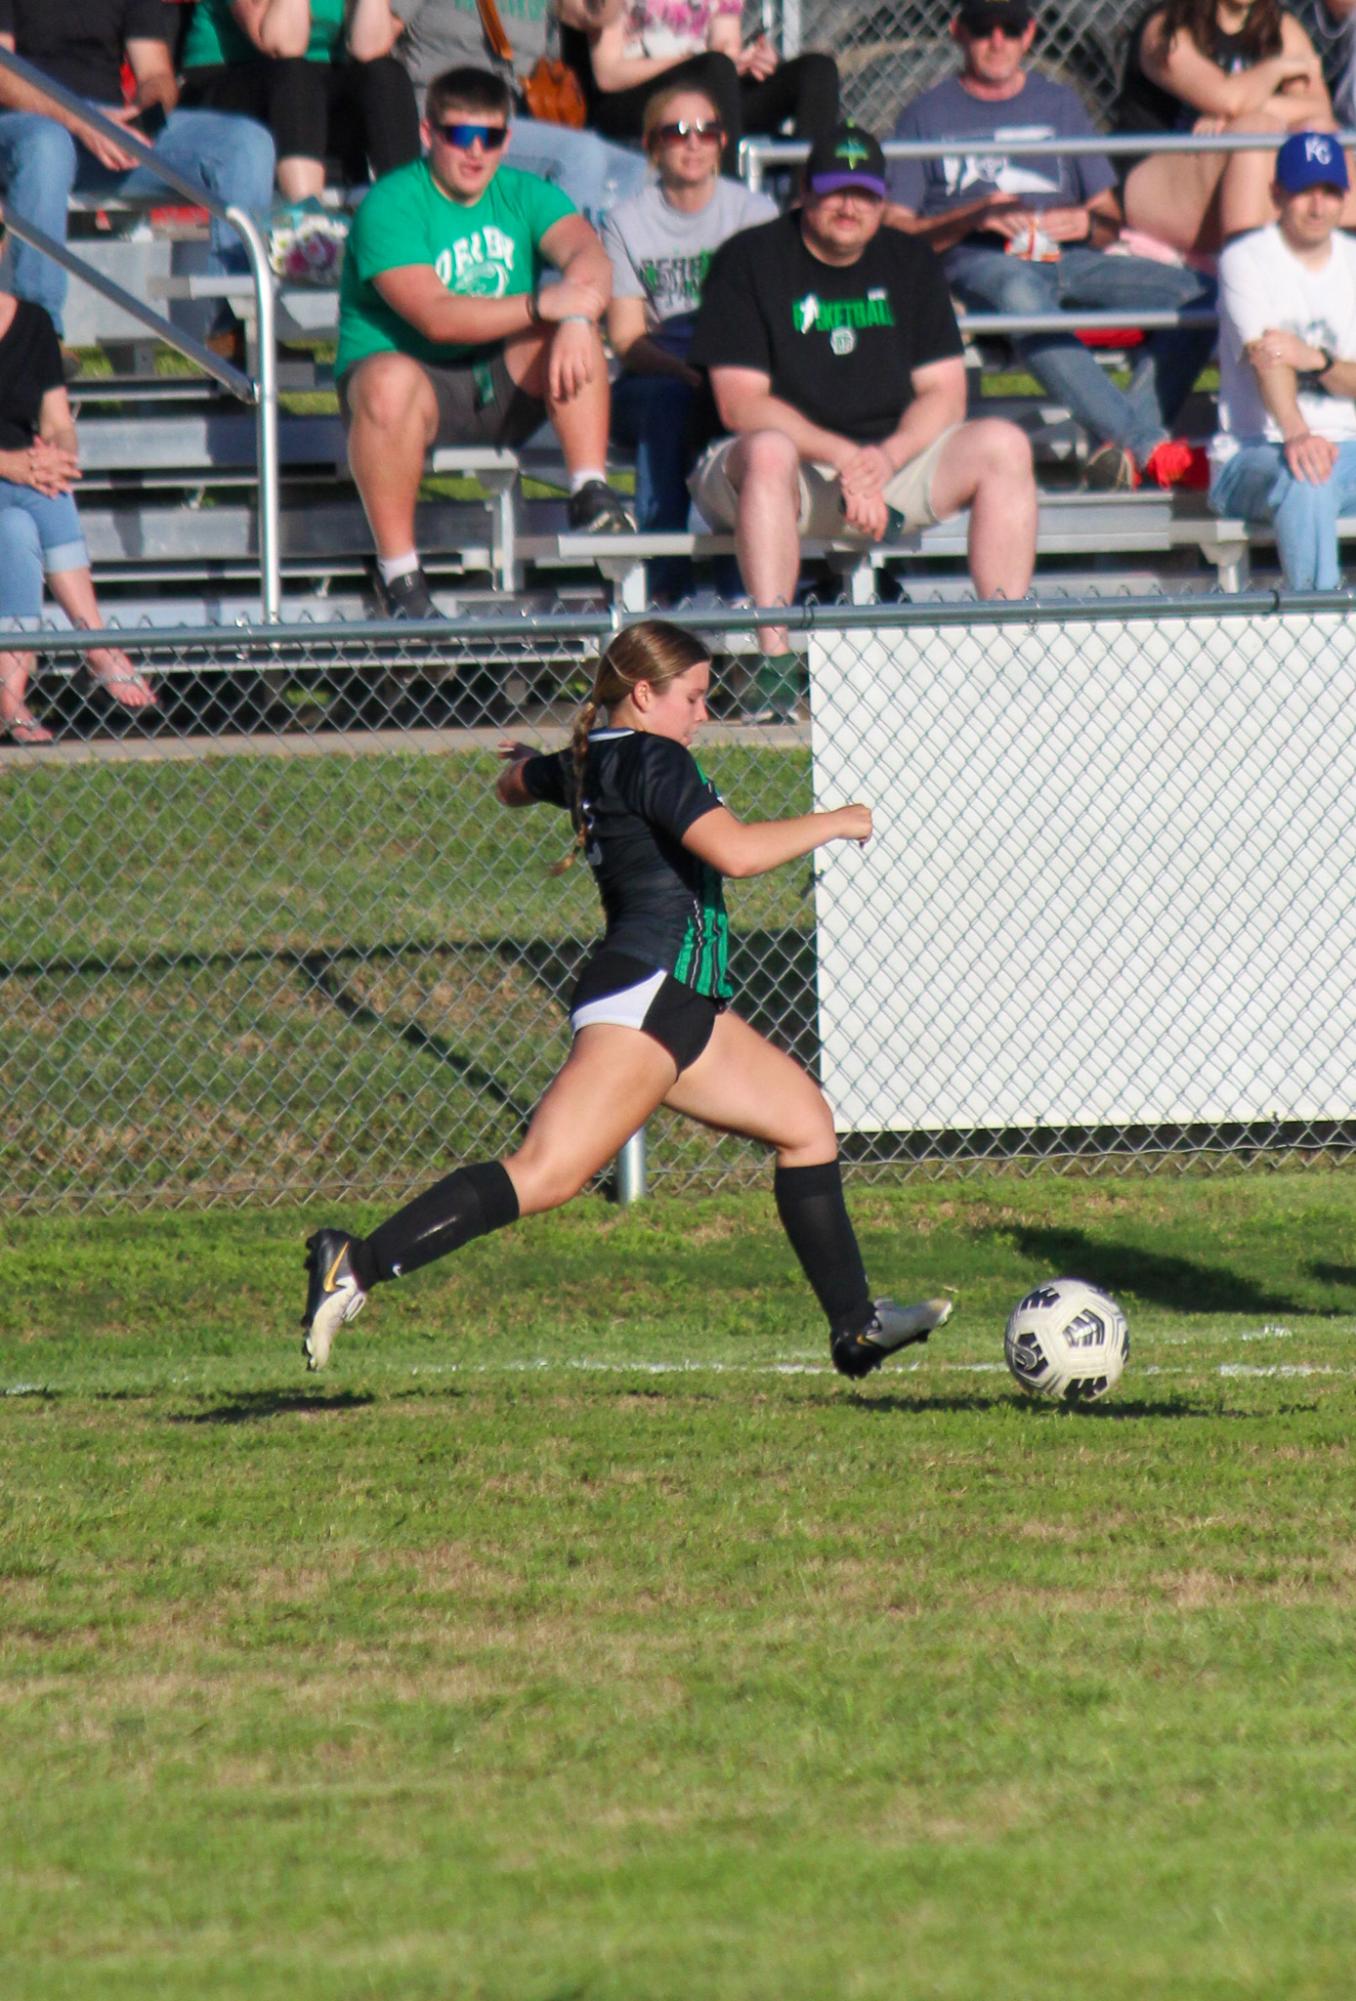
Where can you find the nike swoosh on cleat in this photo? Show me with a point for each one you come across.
(329, 1285)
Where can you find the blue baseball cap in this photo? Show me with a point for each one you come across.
(1311, 160)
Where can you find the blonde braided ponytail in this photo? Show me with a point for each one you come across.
(651, 650)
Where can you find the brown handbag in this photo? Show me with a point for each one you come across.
(551, 90)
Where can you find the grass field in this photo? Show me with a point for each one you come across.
(312, 972)
(579, 1635)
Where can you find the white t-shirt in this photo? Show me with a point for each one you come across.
(1263, 284)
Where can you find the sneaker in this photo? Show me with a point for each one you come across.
(597, 510)
(1177, 463)
(408, 596)
(890, 1327)
(1111, 469)
(765, 718)
(333, 1294)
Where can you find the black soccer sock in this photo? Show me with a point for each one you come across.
(468, 1203)
(815, 1218)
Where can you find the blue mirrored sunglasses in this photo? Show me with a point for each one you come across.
(491, 137)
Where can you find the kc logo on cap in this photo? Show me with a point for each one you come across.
(1311, 160)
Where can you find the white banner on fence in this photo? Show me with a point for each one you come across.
(1113, 880)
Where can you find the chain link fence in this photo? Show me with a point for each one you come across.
(888, 53)
(280, 943)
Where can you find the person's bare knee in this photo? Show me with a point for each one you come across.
(541, 1183)
(389, 393)
(525, 358)
(766, 461)
(1002, 450)
(812, 1140)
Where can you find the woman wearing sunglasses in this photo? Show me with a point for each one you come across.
(660, 243)
(631, 46)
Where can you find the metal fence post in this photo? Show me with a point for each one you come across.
(631, 1170)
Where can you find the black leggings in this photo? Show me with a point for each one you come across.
(364, 113)
(804, 89)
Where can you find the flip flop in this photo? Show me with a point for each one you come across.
(130, 690)
(26, 730)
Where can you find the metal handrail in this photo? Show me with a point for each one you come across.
(757, 154)
(263, 394)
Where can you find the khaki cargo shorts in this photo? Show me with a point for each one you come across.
(909, 493)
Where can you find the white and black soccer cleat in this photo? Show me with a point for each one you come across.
(333, 1294)
(890, 1327)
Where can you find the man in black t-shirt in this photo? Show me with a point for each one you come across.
(45, 150)
(835, 360)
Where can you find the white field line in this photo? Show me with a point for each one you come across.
(597, 1366)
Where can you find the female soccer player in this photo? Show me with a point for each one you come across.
(651, 1020)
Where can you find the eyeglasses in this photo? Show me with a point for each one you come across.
(988, 31)
(689, 128)
(491, 137)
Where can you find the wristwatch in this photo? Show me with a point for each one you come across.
(1312, 378)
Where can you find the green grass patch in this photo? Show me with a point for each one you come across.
(255, 976)
(579, 1635)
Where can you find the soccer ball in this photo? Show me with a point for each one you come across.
(1067, 1340)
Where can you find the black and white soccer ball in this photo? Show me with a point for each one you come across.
(1068, 1341)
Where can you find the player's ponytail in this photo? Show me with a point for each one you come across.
(653, 651)
(579, 749)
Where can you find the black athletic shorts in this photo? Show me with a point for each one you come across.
(626, 992)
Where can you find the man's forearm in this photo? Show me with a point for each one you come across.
(18, 94)
(589, 265)
(940, 232)
(1278, 388)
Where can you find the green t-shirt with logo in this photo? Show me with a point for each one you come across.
(487, 249)
(214, 36)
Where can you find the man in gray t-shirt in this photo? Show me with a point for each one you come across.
(1030, 234)
(440, 35)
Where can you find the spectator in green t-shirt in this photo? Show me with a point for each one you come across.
(446, 335)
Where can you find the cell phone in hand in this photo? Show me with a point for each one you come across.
(151, 121)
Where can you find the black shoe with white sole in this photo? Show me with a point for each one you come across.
(333, 1294)
(409, 596)
(597, 510)
(890, 1328)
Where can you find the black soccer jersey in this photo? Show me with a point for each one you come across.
(663, 904)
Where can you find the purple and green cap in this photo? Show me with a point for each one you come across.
(847, 158)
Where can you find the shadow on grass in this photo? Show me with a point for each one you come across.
(255, 1405)
(1045, 1411)
(917, 1406)
(1333, 1274)
(1150, 1275)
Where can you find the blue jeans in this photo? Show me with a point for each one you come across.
(593, 172)
(1258, 485)
(1138, 418)
(39, 532)
(650, 413)
(41, 164)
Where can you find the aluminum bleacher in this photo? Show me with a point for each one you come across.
(175, 495)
